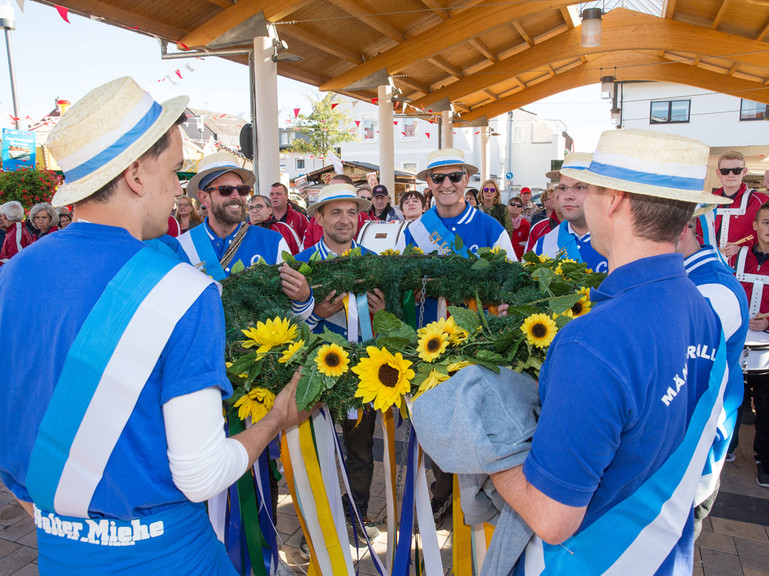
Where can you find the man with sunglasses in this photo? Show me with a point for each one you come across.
(734, 223)
(224, 240)
(571, 239)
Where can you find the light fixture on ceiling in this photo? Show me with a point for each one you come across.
(607, 87)
(279, 53)
(591, 27)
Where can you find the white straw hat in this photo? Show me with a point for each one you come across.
(446, 157)
(334, 192)
(218, 164)
(575, 160)
(104, 132)
(650, 163)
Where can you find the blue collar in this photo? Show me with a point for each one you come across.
(214, 237)
(638, 273)
(326, 252)
(465, 217)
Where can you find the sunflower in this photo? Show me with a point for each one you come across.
(289, 352)
(417, 250)
(269, 334)
(558, 270)
(456, 334)
(332, 360)
(432, 342)
(384, 378)
(390, 252)
(540, 330)
(257, 403)
(433, 379)
(583, 306)
(455, 367)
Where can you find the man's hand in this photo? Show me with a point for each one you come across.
(329, 306)
(730, 250)
(376, 301)
(502, 309)
(284, 411)
(759, 324)
(294, 284)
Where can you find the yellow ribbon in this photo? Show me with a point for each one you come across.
(462, 553)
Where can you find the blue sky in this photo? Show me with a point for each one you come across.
(54, 59)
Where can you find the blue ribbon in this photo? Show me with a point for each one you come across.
(433, 224)
(120, 145)
(266, 521)
(568, 242)
(403, 550)
(206, 253)
(661, 180)
(364, 318)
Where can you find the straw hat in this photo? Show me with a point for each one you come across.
(650, 163)
(104, 132)
(217, 164)
(575, 160)
(334, 192)
(446, 157)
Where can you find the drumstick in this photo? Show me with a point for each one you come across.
(760, 316)
(743, 239)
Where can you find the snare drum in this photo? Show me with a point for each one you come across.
(379, 236)
(755, 354)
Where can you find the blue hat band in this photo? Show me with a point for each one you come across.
(648, 178)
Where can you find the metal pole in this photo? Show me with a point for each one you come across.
(254, 134)
(13, 79)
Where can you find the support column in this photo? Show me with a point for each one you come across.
(485, 157)
(386, 142)
(447, 129)
(267, 153)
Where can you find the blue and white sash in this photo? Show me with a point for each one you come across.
(555, 244)
(637, 535)
(104, 373)
(431, 235)
(708, 225)
(197, 244)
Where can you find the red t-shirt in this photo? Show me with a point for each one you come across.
(519, 237)
(540, 229)
(740, 226)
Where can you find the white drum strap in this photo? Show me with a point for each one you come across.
(727, 213)
(757, 280)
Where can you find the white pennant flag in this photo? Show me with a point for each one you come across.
(21, 4)
(189, 67)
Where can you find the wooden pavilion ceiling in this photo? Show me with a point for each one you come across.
(485, 57)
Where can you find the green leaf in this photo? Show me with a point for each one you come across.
(388, 326)
(458, 244)
(561, 321)
(242, 364)
(523, 310)
(531, 257)
(386, 322)
(490, 357)
(334, 338)
(544, 276)
(480, 264)
(237, 267)
(305, 268)
(465, 319)
(288, 258)
(561, 304)
(308, 388)
(393, 343)
(489, 365)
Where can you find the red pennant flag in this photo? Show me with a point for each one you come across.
(395, 122)
(223, 115)
(374, 100)
(334, 105)
(179, 74)
(13, 118)
(403, 133)
(181, 46)
(296, 112)
(63, 12)
(357, 123)
(427, 134)
(476, 132)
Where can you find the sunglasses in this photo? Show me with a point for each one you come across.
(735, 171)
(454, 177)
(516, 204)
(489, 189)
(227, 190)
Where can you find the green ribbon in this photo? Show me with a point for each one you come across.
(409, 309)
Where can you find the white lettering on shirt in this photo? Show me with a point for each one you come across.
(100, 532)
(679, 380)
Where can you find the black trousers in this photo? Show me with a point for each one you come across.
(757, 388)
(359, 444)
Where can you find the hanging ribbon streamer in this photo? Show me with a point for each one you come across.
(391, 496)
(431, 550)
(403, 549)
(462, 551)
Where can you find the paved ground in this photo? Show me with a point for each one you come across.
(734, 541)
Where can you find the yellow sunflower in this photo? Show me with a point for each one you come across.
(257, 403)
(417, 250)
(540, 330)
(384, 378)
(390, 252)
(457, 366)
(583, 306)
(456, 334)
(432, 380)
(289, 352)
(432, 342)
(268, 334)
(332, 360)
(558, 270)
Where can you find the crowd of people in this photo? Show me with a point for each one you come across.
(143, 341)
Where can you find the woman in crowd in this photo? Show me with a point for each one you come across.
(17, 235)
(65, 218)
(186, 214)
(412, 204)
(521, 226)
(491, 204)
(471, 197)
(43, 220)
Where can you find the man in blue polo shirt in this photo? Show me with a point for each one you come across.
(632, 392)
(571, 239)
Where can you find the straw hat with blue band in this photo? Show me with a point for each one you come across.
(650, 163)
(104, 132)
(214, 165)
(575, 160)
(446, 157)
(335, 192)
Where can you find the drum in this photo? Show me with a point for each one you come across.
(379, 236)
(755, 354)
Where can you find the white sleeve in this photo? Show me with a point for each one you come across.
(506, 244)
(202, 459)
(726, 306)
(282, 247)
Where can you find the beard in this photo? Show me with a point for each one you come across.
(221, 213)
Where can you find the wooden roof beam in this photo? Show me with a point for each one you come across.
(375, 22)
(526, 38)
(437, 9)
(483, 49)
(413, 84)
(623, 30)
(720, 15)
(296, 73)
(220, 3)
(129, 19)
(566, 17)
(491, 94)
(669, 9)
(443, 35)
(230, 17)
(446, 66)
(764, 32)
(312, 39)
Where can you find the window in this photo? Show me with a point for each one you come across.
(750, 110)
(669, 111)
(369, 129)
(410, 167)
(409, 128)
(300, 163)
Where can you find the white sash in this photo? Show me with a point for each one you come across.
(758, 281)
(727, 213)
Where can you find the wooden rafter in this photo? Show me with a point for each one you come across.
(446, 34)
(377, 23)
(483, 49)
(129, 19)
(721, 13)
(413, 84)
(439, 10)
(623, 30)
(566, 17)
(764, 32)
(446, 66)
(312, 39)
(294, 72)
(519, 28)
(669, 9)
(221, 3)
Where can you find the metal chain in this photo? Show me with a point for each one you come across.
(420, 324)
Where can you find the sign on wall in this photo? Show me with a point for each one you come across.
(18, 149)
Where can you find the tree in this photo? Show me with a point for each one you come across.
(324, 129)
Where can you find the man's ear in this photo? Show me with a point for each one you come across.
(134, 178)
(617, 198)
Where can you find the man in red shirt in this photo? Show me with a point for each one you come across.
(282, 210)
(734, 223)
